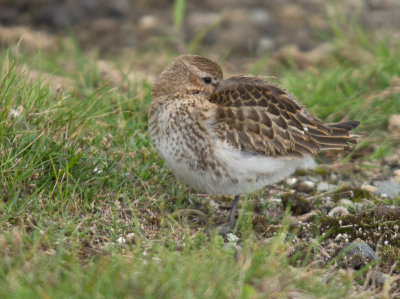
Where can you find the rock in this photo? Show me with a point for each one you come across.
(232, 238)
(323, 187)
(306, 186)
(291, 181)
(121, 240)
(130, 237)
(368, 188)
(275, 200)
(342, 237)
(387, 189)
(260, 16)
(214, 205)
(345, 202)
(396, 175)
(147, 22)
(394, 124)
(338, 212)
(377, 278)
(265, 44)
(357, 254)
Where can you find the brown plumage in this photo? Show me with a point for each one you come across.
(234, 135)
(261, 117)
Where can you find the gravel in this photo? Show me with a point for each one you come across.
(387, 189)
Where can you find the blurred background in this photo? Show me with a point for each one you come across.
(232, 30)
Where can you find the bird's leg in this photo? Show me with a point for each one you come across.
(229, 225)
(231, 217)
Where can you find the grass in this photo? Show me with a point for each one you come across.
(88, 210)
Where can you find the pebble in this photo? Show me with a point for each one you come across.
(306, 186)
(147, 22)
(265, 44)
(213, 205)
(338, 212)
(387, 189)
(232, 238)
(345, 202)
(260, 16)
(377, 276)
(394, 124)
(369, 188)
(130, 237)
(359, 248)
(323, 187)
(342, 237)
(396, 175)
(291, 181)
(121, 240)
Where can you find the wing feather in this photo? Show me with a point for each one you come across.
(258, 116)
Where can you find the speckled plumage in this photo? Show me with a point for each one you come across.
(235, 135)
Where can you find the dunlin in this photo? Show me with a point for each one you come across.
(236, 135)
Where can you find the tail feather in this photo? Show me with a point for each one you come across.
(339, 137)
(348, 125)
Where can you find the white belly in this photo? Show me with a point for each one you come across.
(241, 173)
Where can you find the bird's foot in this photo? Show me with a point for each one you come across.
(225, 228)
(222, 229)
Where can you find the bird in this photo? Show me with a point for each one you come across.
(236, 135)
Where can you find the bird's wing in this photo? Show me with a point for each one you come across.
(260, 117)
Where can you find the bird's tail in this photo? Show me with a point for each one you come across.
(339, 137)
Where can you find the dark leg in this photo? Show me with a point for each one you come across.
(229, 225)
(231, 217)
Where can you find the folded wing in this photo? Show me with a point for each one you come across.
(260, 117)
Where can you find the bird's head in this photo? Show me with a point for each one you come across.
(188, 74)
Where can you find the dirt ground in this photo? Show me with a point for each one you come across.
(231, 29)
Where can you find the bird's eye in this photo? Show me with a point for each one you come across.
(207, 80)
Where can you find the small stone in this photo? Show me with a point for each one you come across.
(323, 187)
(306, 186)
(147, 22)
(338, 212)
(345, 202)
(378, 277)
(213, 205)
(368, 188)
(232, 238)
(130, 237)
(341, 237)
(393, 160)
(121, 240)
(389, 189)
(265, 44)
(260, 16)
(291, 181)
(277, 200)
(396, 175)
(394, 124)
(358, 254)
